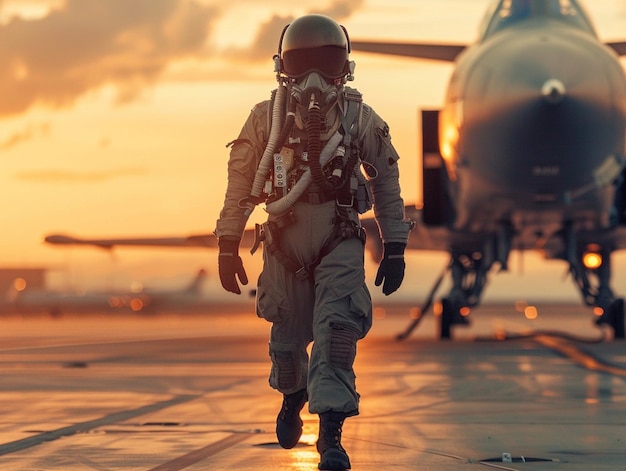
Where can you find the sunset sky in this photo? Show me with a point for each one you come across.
(115, 115)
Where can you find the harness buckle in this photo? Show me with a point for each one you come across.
(302, 274)
(259, 236)
(346, 205)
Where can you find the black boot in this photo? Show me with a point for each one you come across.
(332, 454)
(288, 422)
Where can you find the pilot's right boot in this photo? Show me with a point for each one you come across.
(288, 423)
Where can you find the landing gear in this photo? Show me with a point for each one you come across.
(469, 278)
(593, 282)
(613, 316)
(451, 314)
(469, 266)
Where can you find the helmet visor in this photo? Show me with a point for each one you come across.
(329, 61)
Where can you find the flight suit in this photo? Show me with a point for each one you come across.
(332, 306)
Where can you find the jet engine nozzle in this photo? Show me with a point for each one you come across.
(553, 91)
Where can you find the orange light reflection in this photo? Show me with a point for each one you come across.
(19, 284)
(438, 308)
(531, 313)
(380, 313)
(415, 313)
(592, 260)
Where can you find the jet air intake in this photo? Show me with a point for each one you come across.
(553, 91)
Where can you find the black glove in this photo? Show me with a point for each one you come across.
(230, 265)
(391, 267)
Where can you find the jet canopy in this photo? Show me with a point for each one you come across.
(504, 13)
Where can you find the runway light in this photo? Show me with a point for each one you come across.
(465, 311)
(115, 302)
(598, 311)
(438, 308)
(136, 304)
(531, 313)
(136, 287)
(19, 284)
(520, 306)
(415, 313)
(592, 260)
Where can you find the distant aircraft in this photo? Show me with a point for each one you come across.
(527, 153)
(24, 301)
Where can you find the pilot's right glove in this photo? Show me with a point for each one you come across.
(229, 264)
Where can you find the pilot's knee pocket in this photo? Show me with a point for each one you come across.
(286, 369)
(271, 304)
(343, 338)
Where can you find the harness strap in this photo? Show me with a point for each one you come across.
(344, 227)
(349, 129)
(342, 230)
(349, 125)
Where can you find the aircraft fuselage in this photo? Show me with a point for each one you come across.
(534, 126)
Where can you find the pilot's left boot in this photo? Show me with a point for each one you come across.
(332, 454)
(288, 423)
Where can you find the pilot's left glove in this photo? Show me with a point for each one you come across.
(391, 268)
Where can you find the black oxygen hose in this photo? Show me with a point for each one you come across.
(314, 146)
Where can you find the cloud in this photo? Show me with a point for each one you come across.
(265, 44)
(89, 43)
(342, 9)
(63, 176)
(76, 46)
(29, 132)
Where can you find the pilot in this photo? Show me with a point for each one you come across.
(302, 153)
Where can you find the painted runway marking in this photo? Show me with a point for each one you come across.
(83, 427)
(202, 453)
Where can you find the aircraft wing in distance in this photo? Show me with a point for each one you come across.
(191, 241)
(439, 52)
(424, 237)
(200, 240)
(433, 51)
(618, 47)
(374, 244)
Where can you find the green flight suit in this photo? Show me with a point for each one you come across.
(332, 308)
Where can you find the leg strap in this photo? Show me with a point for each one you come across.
(344, 229)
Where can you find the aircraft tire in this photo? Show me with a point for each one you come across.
(447, 319)
(617, 318)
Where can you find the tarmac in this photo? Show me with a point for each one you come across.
(171, 392)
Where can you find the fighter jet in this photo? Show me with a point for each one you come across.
(528, 152)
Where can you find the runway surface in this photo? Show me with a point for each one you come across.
(169, 393)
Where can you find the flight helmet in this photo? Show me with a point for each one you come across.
(314, 43)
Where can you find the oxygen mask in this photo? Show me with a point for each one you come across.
(315, 86)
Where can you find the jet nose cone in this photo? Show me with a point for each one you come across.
(553, 91)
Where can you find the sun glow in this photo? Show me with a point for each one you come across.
(27, 10)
